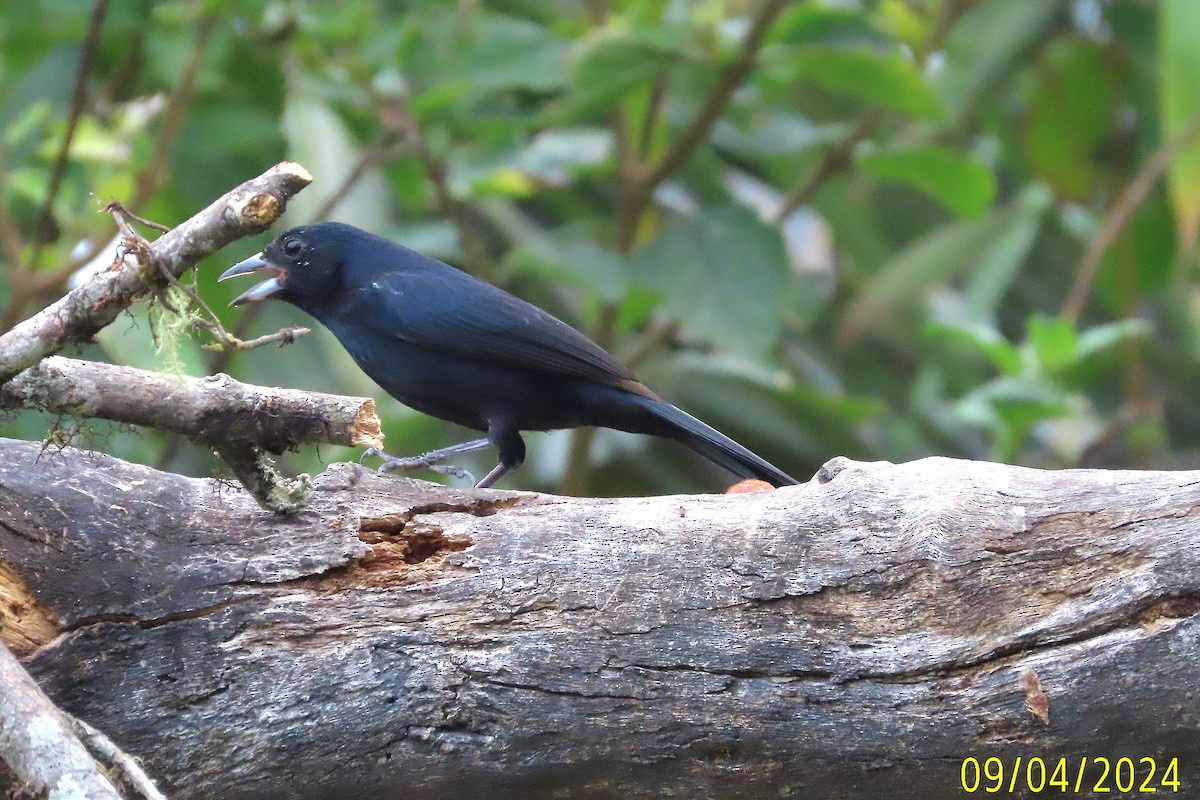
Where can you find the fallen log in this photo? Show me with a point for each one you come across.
(863, 635)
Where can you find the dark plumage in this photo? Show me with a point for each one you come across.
(457, 348)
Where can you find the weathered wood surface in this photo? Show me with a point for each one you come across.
(43, 755)
(857, 636)
(212, 410)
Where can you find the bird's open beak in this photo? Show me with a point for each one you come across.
(260, 291)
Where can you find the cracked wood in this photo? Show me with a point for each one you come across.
(856, 636)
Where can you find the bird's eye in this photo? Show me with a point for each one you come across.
(293, 248)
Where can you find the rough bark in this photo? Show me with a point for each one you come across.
(857, 636)
(45, 757)
(211, 410)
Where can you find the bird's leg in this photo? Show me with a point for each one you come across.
(512, 451)
(430, 461)
(498, 472)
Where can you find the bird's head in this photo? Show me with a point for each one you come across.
(304, 263)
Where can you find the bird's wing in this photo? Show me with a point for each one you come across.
(451, 312)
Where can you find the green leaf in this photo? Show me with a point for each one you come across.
(1100, 348)
(1053, 341)
(576, 263)
(92, 142)
(900, 19)
(984, 42)
(636, 308)
(611, 65)
(27, 182)
(555, 156)
(807, 24)
(1179, 65)
(509, 53)
(773, 131)
(1069, 111)
(954, 249)
(961, 184)
(998, 266)
(722, 273)
(27, 123)
(318, 138)
(786, 422)
(440, 98)
(889, 80)
(1013, 403)
(1022, 404)
(984, 339)
(505, 181)
(1101, 339)
(1154, 249)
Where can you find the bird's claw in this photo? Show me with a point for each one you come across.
(451, 469)
(393, 464)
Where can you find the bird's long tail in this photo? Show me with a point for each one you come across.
(718, 448)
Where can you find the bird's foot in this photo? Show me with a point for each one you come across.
(422, 462)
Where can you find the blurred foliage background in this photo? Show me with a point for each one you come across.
(879, 228)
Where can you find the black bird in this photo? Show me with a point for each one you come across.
(454, 347)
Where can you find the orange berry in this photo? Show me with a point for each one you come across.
(749, 486)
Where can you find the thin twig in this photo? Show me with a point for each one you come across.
(117, 759)
(951, 11)
(598, 11)
(636, 185)
(247, 209)
(225, 340)
(836, 158)
(368, 159)
(283, 336)
(131, 240)
(221, 355)
(117, 205)
(730, 78)
(637, 182)
(147, 181)
(10, 235)
(78, 97)
(135, 243)
(839, 156)
(627, 162)
(656, 335)
(1119, 214)
(654, 105)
